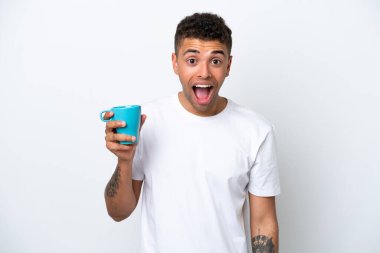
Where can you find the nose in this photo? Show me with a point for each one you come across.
(204, 71)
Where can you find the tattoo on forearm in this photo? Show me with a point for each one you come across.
(113, 184)
(262, 244)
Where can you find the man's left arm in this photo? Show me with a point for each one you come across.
(264, 226)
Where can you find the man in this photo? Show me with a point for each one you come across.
(199, 155)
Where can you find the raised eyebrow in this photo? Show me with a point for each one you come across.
(191, 51)
(197, 52)
(218, 52)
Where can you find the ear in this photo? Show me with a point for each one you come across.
(229, 65)
(175, 63)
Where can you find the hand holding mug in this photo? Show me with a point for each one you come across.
(122, 130)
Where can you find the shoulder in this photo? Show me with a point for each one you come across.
(247, 117)
(158, 111)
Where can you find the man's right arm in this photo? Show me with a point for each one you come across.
(122, 192)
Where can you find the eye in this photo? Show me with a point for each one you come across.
(216, 61)
(191, 61)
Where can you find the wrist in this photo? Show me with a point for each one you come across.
(124, 163)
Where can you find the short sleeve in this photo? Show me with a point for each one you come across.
(137, 165)
(264, 178)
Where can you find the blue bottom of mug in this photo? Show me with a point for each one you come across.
(127, 142)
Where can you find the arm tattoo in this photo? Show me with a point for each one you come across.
(262, 244)
(113, 184)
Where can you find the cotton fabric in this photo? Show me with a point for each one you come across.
(197, 172)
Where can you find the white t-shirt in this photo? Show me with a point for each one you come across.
(197, 171)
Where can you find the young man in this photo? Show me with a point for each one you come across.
(199, 155)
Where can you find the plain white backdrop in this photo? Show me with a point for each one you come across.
(311, 67)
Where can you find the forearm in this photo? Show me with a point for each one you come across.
(119, 195)
(264, 236)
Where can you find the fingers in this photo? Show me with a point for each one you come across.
(114, 146)
(113, 137)
(108, 115)
(111, 125)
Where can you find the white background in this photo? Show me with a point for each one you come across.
(311, 67)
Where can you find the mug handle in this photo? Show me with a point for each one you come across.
(101, 116)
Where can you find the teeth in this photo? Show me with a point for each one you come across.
(202, 86)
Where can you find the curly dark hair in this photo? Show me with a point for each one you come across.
(203, 26)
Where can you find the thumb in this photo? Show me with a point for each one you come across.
(143, 118)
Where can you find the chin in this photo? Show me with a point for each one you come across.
(204, 107)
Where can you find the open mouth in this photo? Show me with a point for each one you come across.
(202, 93)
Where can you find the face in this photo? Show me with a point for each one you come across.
(202, 67)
